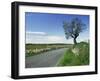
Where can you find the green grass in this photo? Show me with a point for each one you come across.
(72, 59)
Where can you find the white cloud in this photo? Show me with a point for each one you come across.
(36, 33)
(42, 37)
(55, 38)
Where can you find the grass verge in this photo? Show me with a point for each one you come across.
(80, 57)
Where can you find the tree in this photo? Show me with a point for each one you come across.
(73, 28)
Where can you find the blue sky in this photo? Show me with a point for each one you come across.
(48, 28)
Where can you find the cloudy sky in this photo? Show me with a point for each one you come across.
(48, 28)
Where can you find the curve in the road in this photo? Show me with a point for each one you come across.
(46, 59)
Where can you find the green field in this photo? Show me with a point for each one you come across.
(33, 49)
(77, 55)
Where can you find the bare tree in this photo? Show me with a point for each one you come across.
(73, 28)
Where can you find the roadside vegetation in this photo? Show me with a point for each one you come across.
(34, 49)
(77, 55)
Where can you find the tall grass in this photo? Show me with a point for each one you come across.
(72, 59)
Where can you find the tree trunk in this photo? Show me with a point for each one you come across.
(75, 42)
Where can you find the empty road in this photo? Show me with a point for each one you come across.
(46, 59)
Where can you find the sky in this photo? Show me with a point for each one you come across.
(48, 27)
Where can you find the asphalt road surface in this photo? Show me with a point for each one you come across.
(46, 59)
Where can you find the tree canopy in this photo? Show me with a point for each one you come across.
(73, 28)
